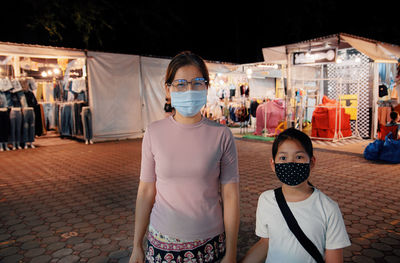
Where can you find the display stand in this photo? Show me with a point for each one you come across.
(338, 135)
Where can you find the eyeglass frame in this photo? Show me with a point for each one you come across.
(186, 83)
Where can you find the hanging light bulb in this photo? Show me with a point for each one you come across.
(56, 71)
(44, 74)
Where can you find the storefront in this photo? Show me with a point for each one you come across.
(43, 91)
(235, 96)
(335, 82)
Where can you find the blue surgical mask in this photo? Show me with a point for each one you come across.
(190, 102)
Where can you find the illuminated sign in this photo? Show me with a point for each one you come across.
(314, 57)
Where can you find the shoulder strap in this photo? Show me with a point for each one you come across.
(295, 228)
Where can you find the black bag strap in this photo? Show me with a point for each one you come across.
(295, 228)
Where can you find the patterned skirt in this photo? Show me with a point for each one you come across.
(164, 249)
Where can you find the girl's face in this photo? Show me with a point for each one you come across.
(291, 151)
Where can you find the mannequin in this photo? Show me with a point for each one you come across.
(18, 101)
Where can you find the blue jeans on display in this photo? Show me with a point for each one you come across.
(78, 118)
(67, 122)
(81, 96)
(22, 99)
(57, 92)
(15, 125)
(87, 123)
(28, 129)
(49, 115)
(57, 110)
(4, 126)
(48, 91)
(3, 100)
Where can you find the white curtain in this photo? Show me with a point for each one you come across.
(114, 92)
(153, 89)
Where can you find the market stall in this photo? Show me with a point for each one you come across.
(42, 90)
(357, 73)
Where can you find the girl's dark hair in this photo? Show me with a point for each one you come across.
(186, 58)
(293, 134)
(393, 115)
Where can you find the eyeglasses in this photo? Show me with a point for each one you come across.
(181, 85)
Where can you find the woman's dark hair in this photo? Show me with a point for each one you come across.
(293, 134)
(393, 115)
(185, 58)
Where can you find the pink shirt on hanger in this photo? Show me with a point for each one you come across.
(188, 162)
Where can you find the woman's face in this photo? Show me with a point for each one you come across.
(188, 72)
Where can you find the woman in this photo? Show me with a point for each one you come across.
(188, 165)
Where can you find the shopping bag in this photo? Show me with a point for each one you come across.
(390, 150)
(373, 150)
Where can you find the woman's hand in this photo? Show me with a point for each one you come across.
(137, 255)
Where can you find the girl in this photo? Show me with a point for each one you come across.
(188, 165)
(318, 216)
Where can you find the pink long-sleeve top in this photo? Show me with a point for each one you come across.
(188, 162)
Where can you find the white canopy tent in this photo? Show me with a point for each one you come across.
(114, 95)
(127, 92)
(378, 52)
(24, 50)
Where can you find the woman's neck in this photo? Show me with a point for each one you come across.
(297, 193)
(187, 120)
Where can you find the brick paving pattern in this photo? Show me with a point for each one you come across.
(75, 202)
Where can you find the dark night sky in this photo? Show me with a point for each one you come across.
(217, 30)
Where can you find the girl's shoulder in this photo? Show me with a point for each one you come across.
(267, 196)
(324, 198)
(329, 205)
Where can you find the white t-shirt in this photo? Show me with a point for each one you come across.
(318, 216)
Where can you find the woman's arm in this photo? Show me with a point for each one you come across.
(334, 255)
(230, 198)
(144, 203)
(258, 252)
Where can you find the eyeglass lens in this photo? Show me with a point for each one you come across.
(196, 83)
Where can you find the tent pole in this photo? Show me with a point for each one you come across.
(375, 88)
(289, 92)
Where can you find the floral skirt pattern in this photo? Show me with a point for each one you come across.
(164, 249)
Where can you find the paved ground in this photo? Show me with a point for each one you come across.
(69, 202)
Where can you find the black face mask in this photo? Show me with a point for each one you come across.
(292, 173)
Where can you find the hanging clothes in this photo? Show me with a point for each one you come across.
(272, 112)
(253, 108)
